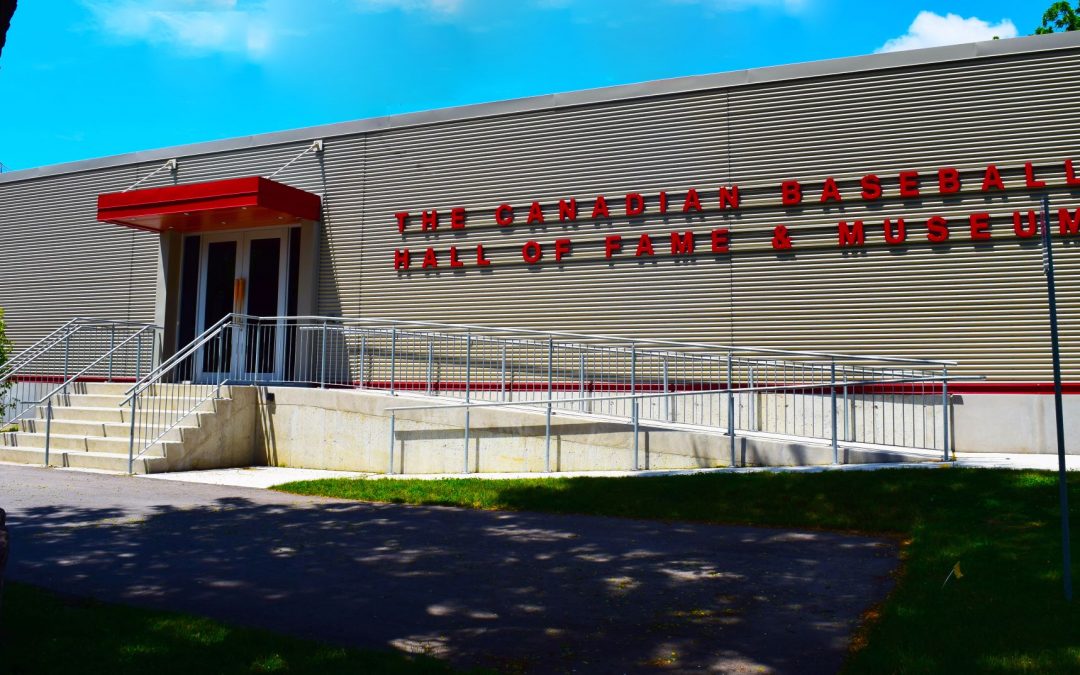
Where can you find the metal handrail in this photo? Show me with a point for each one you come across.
(170, 363)
(597, 337)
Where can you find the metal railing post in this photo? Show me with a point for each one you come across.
(832, 396)
(138, 358)
(581, 379)
(502, 381)
(550, 391)
(667, 398)
(393, 422)
(363, 359)
(48, 428)
(946, 441)
(393, 359)
(730, 410)
(751, 412)
(430, 362)
(67, 355)
(634, 412)
(112, 347)
(322, 359)
(633, 369)
(468, 396)
(131, 434)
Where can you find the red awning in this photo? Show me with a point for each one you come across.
(217, 205)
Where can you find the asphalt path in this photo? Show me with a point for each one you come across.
(510, 591)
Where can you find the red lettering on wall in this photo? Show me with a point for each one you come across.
(635, 204)
(1070, 176)
(644, 246)
(1030, 230)
(871, 187)
(691, 202)
(682, 244)
(980, 226)
(851, 236)
(531, 252)
(790, 193)
(612, 245)
(567, 210)
(1068, 225)
(829, 191)
(909, 183)
(937, 230)
(457, 218)
(729, 197)
(536, 214)
(600, 208)
(1029, 177)
(401, 259)
(992, 179)
(948, 180)
(401, 216)
(429, 259)
(454, 262)
(901, 232)
(481, 261)
(663, 202)
(429, 220)
(720, 241)
(504, 214)
(562, 248)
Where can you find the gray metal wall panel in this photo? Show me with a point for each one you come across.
(981, 304)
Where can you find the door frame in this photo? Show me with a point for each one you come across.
(238, 367)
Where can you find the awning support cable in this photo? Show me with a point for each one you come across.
(316, 147)
(170, 165)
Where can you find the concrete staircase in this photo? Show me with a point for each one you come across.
(91, 431)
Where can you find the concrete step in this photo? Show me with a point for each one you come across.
(105, 429)
(82, 460)
(177, 401)
(149, 413)
(116, 446)
(121, 388)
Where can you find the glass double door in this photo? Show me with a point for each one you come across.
(244, 273)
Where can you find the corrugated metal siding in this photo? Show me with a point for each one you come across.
(981, 304)
(59, 262)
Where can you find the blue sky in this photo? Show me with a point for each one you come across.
(88, 78)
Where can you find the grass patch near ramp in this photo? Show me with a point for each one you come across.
(1005, 614)
(42, 632)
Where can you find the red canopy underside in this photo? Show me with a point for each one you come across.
(204, 207)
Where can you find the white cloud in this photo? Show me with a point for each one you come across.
(195, 26)
(435, 6)
(933, 30)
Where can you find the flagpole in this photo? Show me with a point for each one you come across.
(1059, 417)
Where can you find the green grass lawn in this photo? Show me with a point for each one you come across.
(42, 632)
(1005, 614)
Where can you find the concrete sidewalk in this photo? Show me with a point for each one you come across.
(266, 476)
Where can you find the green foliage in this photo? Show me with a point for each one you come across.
(1005, 613)
(1060, 16)
(47, 633)
(5, 354)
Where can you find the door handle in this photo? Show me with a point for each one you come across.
(239, 288)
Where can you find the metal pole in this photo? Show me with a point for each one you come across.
(112, 347)
(468, 396)
(393, 358)
(547, 425)
(67, 354)
(138, 358)
(322, 359)
(1059, 418)
(945, 442)
(393, 422)
(502, 381)
(730, 411)
(581, 379)
(634, 410)
(48, 429)
(430, 362)
(363, 358)
(131, 435)
(832, 396)
(667, 398)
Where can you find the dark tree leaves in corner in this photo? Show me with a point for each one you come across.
(7, 10)
(1060, 17)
